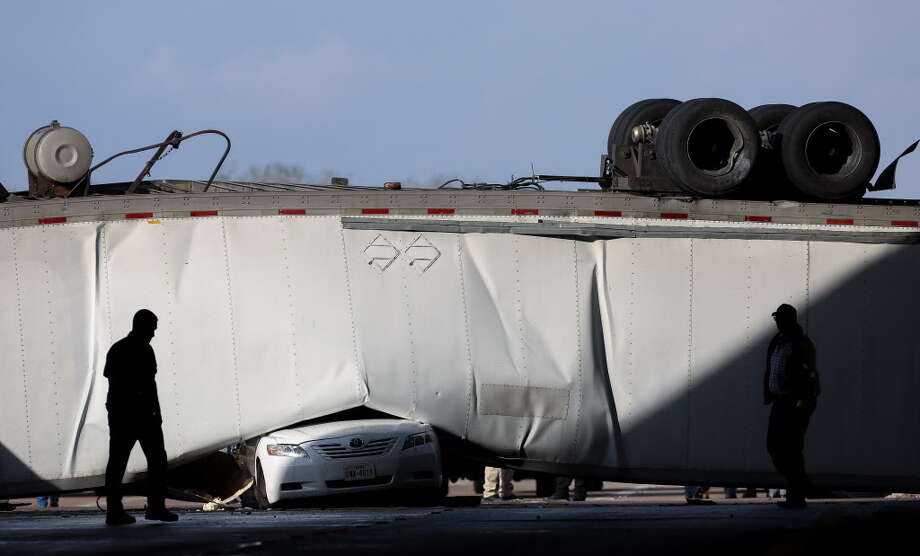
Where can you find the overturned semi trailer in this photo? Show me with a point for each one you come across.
(579, 333)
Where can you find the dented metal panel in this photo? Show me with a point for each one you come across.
(523, 401)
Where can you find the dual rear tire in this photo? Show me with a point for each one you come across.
(712, 147)
(821, 151)
(707, 146)
(648, 111)
(829, 150)
(768, 179)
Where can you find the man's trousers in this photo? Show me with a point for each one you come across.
(498, 482)
(123, 433)
(786, 444)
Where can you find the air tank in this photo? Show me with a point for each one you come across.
(57, 158)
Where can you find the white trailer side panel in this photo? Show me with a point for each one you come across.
(328, 362)
(863, 318)
(648, 286)
(633, 357)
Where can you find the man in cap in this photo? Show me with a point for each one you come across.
(134, 416)
(791, 385)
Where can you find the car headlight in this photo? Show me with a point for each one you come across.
(289, 450)
(419, 439)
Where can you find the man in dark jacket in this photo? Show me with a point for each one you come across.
(791, 384)
(134, 416)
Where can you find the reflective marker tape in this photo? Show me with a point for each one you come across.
(608, 213)
(840, 221)
(758, 219)
(675, 215)
(53, 220)
(134, 215)
(523, 212)
(375, 211)
(441, 211)
(906, 223)
(292, 211)
(203, 213)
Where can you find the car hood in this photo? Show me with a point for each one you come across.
(321, 431)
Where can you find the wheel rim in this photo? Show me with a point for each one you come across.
(832, 148)
(713, 146)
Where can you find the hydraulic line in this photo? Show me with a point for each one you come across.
(174, 139)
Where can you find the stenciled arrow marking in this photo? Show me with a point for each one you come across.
(381, 253)
(422, 253)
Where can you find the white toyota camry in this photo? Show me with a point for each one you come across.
(342, 457)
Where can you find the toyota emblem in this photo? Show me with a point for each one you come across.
(356, 442)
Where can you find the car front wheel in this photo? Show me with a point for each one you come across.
(261, 496)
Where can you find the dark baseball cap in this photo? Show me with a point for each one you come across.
(785, 309)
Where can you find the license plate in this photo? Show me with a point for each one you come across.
(359, 472)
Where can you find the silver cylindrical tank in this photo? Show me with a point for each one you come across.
(58, 154)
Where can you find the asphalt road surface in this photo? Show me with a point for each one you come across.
(622, 519)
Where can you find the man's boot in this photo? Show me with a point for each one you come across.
(560, 495)
(156, 511)
(579, 490)
(160, 514)
(116, 515)
(562, 489)
(119, 518)
(795, 499)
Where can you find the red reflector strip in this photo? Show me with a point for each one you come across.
(675, 215)
(292, 211)
(758, 219)
(53, 220)
(139, 215)
(840, 221)
(524, 211)
(203, 213)
(441, 211)
(608, 213)
(375, 211)
(906, 223)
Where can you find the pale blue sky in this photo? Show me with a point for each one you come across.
(394, 90)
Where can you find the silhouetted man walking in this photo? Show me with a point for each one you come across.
(134, 416)
(791, 384)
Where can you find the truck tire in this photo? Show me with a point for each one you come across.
(830, 150)
(767, 117)
(768, 179)
(650, 110)
(708, 146)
